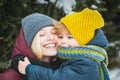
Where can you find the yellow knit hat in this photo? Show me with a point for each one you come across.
(82, 25)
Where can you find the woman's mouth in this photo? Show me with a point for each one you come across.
(50, 45)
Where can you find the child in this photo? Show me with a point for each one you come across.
(85, 28)
(90, 62)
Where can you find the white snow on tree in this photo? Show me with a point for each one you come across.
(67, 5)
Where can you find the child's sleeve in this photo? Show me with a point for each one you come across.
(16, 58)
(76, 69)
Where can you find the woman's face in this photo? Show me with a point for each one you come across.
(48, 41)
(66, 40)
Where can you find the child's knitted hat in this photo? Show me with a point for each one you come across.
(33, 23)
(82, 25)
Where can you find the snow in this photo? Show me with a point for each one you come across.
(42, 1)
(67, 5)
(115, 74)
(113, 44)
(94, 7)
(116, 45)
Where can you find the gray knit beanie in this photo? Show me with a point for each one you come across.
(33, 23)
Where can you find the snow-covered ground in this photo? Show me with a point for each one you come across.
(115, 74)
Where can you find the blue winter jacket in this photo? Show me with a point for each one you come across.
(78, 68)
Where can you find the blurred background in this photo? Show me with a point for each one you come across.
(12, 11)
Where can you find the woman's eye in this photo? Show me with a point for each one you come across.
(70, 37)
(41, 35)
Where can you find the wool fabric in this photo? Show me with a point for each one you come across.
(82, 25)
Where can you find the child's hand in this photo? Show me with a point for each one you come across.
(22, 65)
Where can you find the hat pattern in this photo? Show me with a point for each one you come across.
(82, 25)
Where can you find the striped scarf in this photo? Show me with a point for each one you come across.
(91, 51)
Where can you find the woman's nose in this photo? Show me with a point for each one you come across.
(50, 37)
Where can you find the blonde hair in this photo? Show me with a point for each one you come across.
(35, 46)
(60, 28)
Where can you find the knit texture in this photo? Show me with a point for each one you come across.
(96, 53)
(33, 23)
(82, 25)
(91, 51)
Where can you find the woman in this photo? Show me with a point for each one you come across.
(37, 31)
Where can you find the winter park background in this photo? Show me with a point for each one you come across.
(12, 11)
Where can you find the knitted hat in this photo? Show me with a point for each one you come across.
(82, 25)
(33, 23)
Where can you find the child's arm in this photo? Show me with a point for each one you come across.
(15, 60)
(80, 68)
